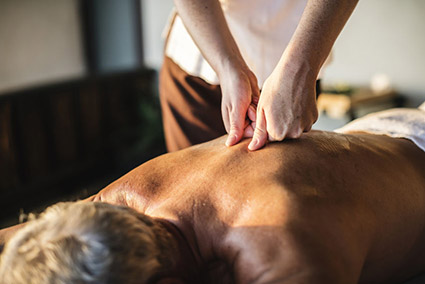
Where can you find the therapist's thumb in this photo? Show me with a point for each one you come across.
(237, 123)
(259, 138)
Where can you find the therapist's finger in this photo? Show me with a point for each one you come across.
(255, 96)
(237, 121)
(225, 116)
(248, 132)
(252, 113)
(260, 133)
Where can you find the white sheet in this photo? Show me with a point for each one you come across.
(397, 123)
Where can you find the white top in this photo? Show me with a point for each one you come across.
(262, 29)
(397, 123)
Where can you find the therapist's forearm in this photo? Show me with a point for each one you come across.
(205, 21)
(320, 25)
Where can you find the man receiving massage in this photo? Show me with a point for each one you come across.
(329, 207)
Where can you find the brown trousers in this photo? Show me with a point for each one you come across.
(191, 108)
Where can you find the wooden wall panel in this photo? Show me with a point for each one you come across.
(90, 120)
(55, 136)
(63, 121)
(8, 162)
(32, 140)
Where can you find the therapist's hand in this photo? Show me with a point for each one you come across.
(207, 26)
(240, 94)
(287, 106)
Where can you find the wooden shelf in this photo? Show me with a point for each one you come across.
(342, 105)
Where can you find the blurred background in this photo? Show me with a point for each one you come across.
(79, 98)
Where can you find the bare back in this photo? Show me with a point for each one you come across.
(351, 204)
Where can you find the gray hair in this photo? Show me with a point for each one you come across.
(80, 242)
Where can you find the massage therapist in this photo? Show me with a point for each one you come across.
(245, 67)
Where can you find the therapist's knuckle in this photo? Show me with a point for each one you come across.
(259, 131)
(278, 135)
(295, 133)
(273, 138)
(277, 131)
(234, 127)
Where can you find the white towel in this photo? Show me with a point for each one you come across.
(397, 123)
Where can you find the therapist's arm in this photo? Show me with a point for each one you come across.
(287, 105)
(205, 21)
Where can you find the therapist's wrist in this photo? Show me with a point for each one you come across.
(230, 64)
(304, 58)
(298, 67)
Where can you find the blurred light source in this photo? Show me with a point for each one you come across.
(381, 83)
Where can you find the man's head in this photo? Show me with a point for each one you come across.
(83, 242)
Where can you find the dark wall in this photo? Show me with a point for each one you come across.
(57, 137)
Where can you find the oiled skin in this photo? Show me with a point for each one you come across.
(326, 208)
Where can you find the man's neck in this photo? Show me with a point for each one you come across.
(186, 265)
